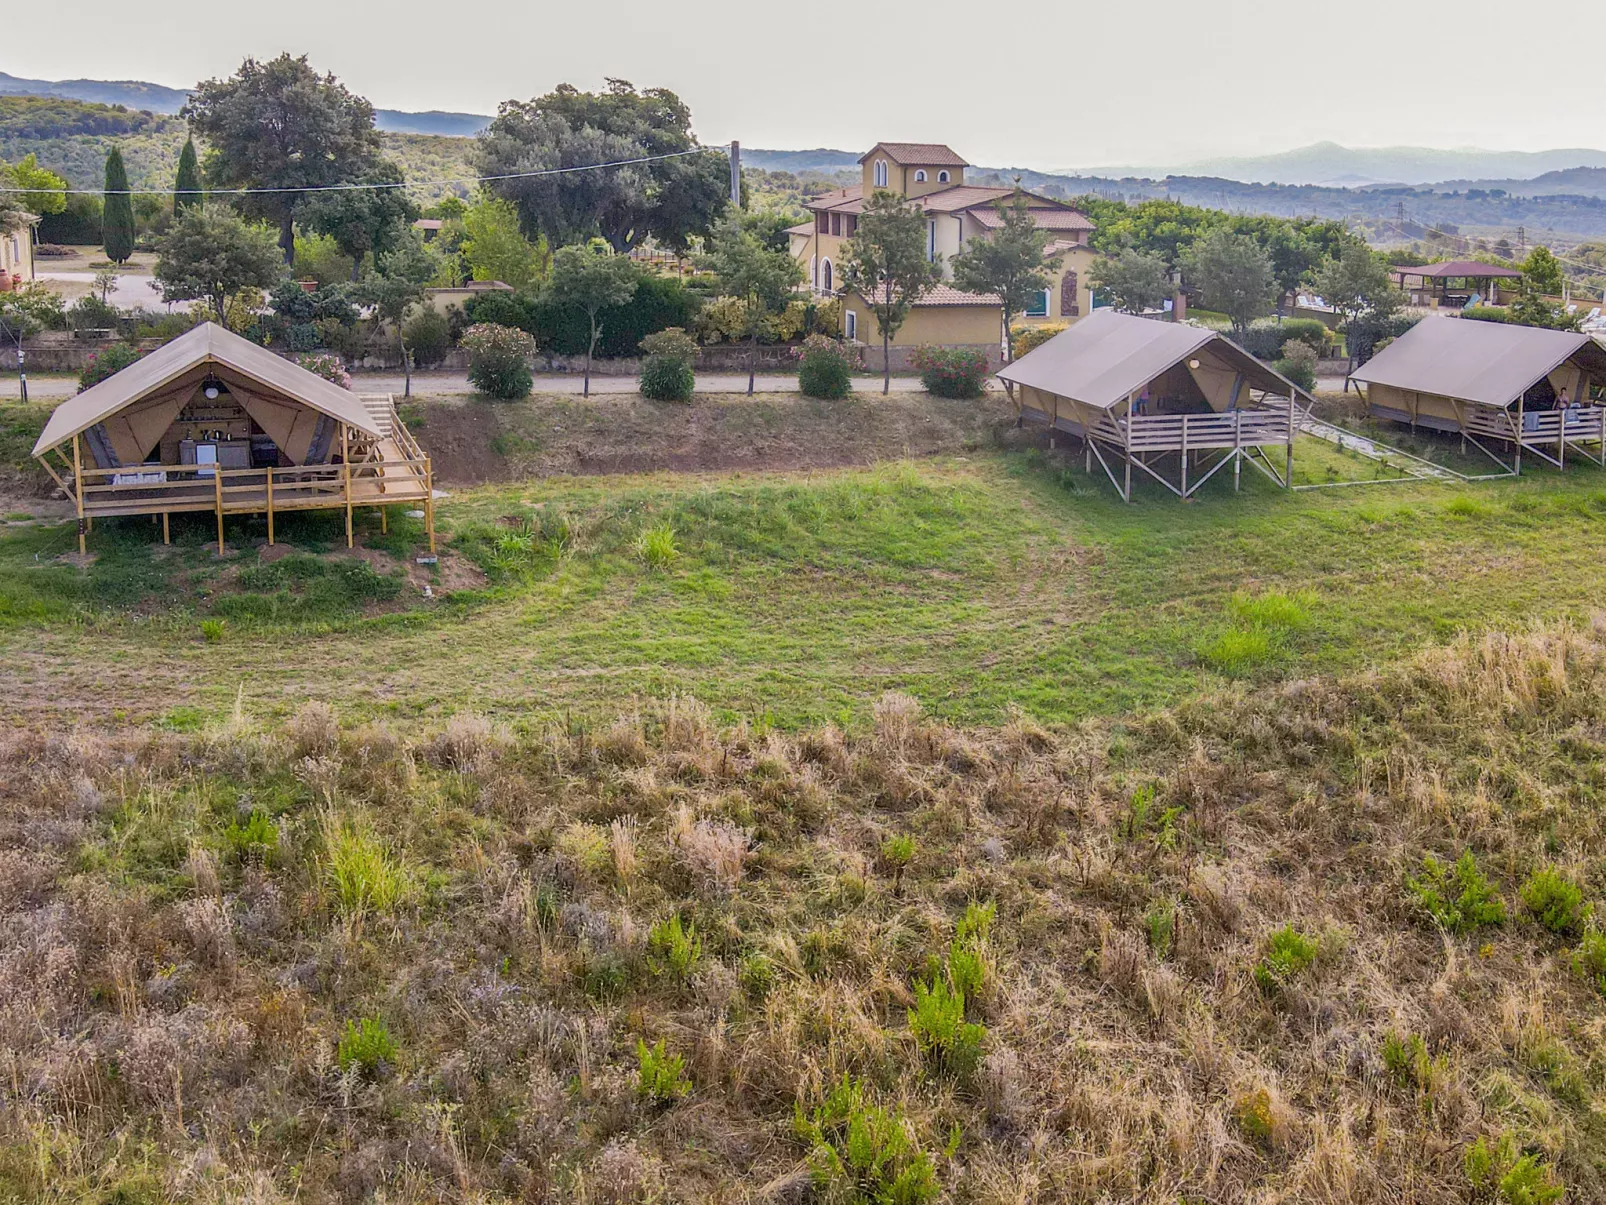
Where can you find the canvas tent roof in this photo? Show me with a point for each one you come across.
(1108, 356)
(207, 343)
(1486, 362)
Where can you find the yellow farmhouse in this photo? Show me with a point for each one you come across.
(932, 176)
(16, 254)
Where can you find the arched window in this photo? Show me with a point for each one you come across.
(942, 177)
(825, 275)
(920, 176)
(880, 173)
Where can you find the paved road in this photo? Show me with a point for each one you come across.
(131, 292)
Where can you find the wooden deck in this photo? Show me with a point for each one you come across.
(1199, 444)
(1548, 434)
(395, 469)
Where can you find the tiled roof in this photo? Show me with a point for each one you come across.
(842, 200)
(962, 196)
(801, 228)
(946, 295)
(1061, 245)
(917, 154)
(1046, 219)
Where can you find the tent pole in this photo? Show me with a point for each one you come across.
(270, 507)
(345, 469)
(429, 503)
(78, 492)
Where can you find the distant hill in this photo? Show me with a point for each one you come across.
(800, 161)
(156, 98)
(1328, 163)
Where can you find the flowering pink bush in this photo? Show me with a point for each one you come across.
(950, 371)
(327, 366)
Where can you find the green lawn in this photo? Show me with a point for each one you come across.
(975, 584)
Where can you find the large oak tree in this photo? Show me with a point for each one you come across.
(670, 200)
(281, 125)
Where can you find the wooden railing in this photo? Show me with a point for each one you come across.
(1234, 429)
(206, 487)
(1581, 424)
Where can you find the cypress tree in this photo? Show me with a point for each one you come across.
(187, 186)
(117, 222)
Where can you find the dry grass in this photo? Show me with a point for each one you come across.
(1207, 978)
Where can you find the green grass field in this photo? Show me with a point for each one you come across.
(974, 583)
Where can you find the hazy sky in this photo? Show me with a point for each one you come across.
(1054, 85)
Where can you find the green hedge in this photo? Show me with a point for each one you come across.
(1267, 336)
(660, 303)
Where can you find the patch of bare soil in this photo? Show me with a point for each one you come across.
(481, 442)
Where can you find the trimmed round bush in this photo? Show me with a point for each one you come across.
(428, 336)
(1298, 364)
(825, 368)
(499, 361)
(103, 363)
(1029, 338)
(666, 372)
(951, 371)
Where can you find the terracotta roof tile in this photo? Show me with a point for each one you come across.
(917, 154)
(1046, 219)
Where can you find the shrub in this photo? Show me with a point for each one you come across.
(499, 361)
(896, 854)
(1498, 1173)
(676, 947)
(102, 364)
(1267, 338)
(1298, 364)
(1029, 338)
(825, 367)
(862, 1152)
(956, 372)
(327, 366)
(1554, 902)
(1589, 959)
(1457, 897)
(660, 1077)
(1486, 313)
(659, 303)
(212, 630)
(969, 963)
(90, 313)
(1288, 952)
(361, 871)
(368, 1046)
(656, 546)
(940, 1030)
(667, 374)
(428, 335)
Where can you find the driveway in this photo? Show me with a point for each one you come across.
(131, 292)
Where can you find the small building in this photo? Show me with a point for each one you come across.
(1456, 284)
(943, 317)
(16, 254)
(931, 176)
(1497, 385)
(213, 422)
(1175, 402)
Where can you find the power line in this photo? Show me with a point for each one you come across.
(1595, 269)
(240, 192)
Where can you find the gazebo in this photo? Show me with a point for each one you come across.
(1176, 402)
(213, 422)
(1455, 284)
(1497, 385)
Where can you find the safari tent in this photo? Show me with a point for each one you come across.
(213, 422)
(1496, 385)
(1175, 402)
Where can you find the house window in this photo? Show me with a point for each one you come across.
(920, 176)
(942, 177)
(931, 240)
(849, 225)
(1037, 307)
(825, 275)
(822, 222)
(836, 223)
(853, 325)
(880, 173)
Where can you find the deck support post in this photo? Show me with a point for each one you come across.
(167, 536)
(345, 467)
(1288, 470)
(1561, 441)
(1237, 448)
(217, 480)
(270, 508)
(1126, 490)
(1184, 477)
(78, 492)
(429, 503)
(1516, 470)
(384, 521)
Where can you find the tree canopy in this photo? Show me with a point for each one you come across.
(887, 265)
(670, 200)
(117, 216)
(281, 125)
(363, 221)
(187, 181)
(496, 248)
(763, 278)
(1134, 280)
(1009, 263)
(1234, 275)
(1542, 270)
(212, 254)
(591, 278)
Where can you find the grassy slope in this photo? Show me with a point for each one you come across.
(974, 583)
(191, 924)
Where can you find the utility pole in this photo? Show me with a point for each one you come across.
(736, 174)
